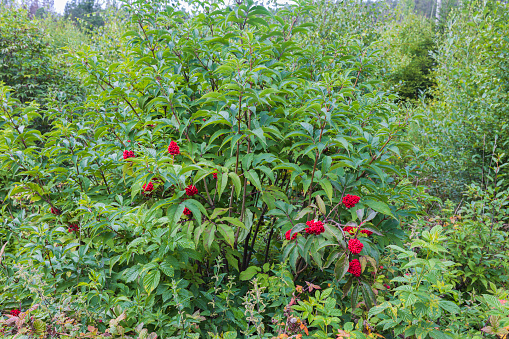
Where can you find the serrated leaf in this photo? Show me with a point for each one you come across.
(249, 273)
(167, 268)
(151, 280)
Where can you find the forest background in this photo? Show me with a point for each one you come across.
(311, 169)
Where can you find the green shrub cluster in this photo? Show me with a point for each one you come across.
(466, 123)
(408, 42)
(238, 172)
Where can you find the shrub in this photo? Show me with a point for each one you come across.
(272, 134)
(408, 44)
(26, 61)
(466, 123)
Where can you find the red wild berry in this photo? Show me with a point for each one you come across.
(151, 125)
(128, 140)
(315, 227)
(73, 228)
(355, 246)
(173, 148)
(355, 268)
(287, 235)
(55, 211)
(214, 175)
(147, 188)
(367, 232)
(15, 313)
(187, 211)
(349, 229)
(128, 154)
(350, 200)
(204, 119)
(191, 190)
(387, 286)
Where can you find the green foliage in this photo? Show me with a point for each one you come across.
(245, 97)
(26, 63)
(421, 298)
(84, 12)
(467, 122)
(478, 238)
(186, 195)
(408, 43)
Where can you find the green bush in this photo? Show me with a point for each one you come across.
(287, 128)
(467, 120)
(26, 61)
(234, 172)
(408, 43)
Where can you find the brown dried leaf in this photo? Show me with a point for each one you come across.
(121, 317)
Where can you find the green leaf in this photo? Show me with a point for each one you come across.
(341, 267)
(297, 228)
(378, 309)
(249, 273)
(132, 273)
(449, 306)
(321, 205)
(151, 280)
(333, 255)
(227, 233)
(253, 177)
(367, 299)
(355, 294)
(236, 182)
(327, 187)
(234, 221)
(208, 236)
(336, 233)
(378, 206)
(259, 133)
(167, 268)
(222, 181)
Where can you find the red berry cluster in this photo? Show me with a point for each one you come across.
(355, 246)
(55, 211)
(355, 268)
(73, 228)
(214, 175)
(315, 227)
(287, 234)
(351, 230)
(148, 187)
(173, 148)
(15, 313)
(191, 190)
(187, 211)
(350, 200)
(128, 154)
